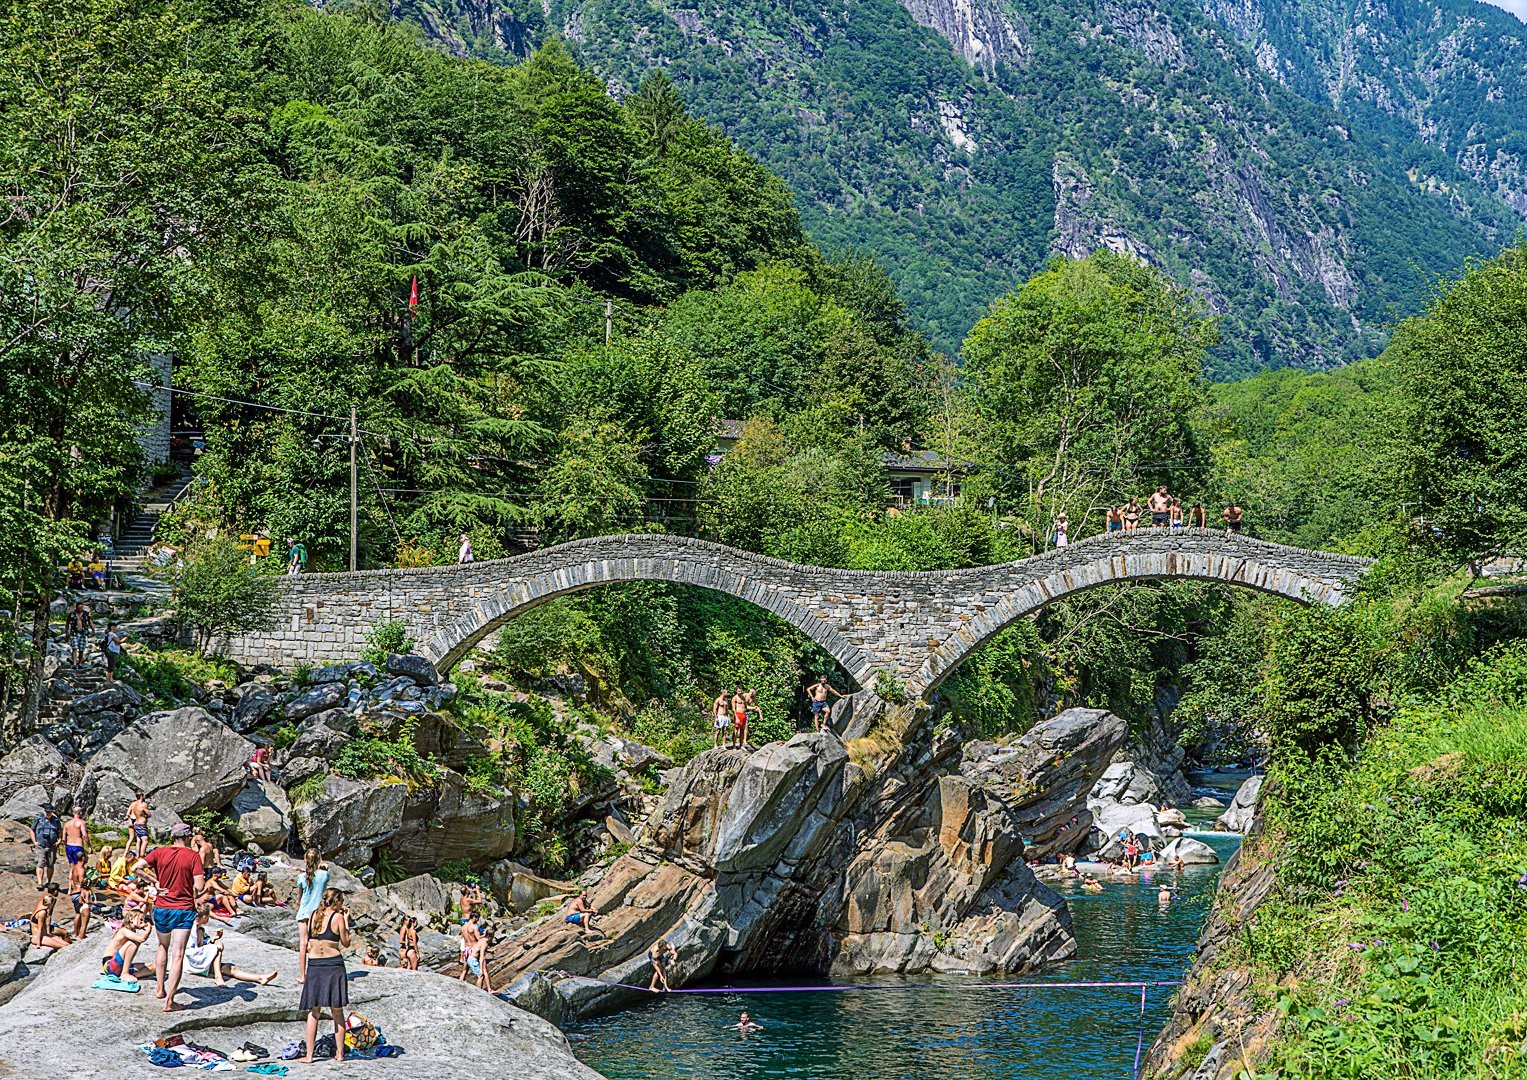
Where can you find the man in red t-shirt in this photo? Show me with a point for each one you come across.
(178, 872)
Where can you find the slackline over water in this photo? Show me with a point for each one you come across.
(844, 987)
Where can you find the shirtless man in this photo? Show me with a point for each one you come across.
(137, 823)
(820, 707)
(123, 947)
(1197, 519)
(745, 1025)
(740, 713)
(210, 856)
(581, 914)
(1232, 518)
(662, 954)
(76, 841)
(721, 721)
(1160, 504)
(1115, 518)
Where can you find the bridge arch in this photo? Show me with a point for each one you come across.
(1258, 565)
(585, 564)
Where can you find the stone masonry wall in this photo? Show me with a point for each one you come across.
(915, 626)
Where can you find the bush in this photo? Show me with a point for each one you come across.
(217, 593)
(387, 636)
(365, 757)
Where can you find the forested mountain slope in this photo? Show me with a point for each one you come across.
(965, 141)
(1442, 83)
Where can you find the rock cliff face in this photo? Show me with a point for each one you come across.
(1217, 1004)
(1146, 769)
(797, 856)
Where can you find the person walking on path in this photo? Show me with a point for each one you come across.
(662, 954)
(137, 824)
(325, 986)
(721, 721)
(311, 886)
(76, 842)
(177, 870)
(464, 555)
(474, 953)
(1160, 504)
(1232, 518)
(821, 708)
(45, 834)
(79, 625)
(111, 645)
(296, 557)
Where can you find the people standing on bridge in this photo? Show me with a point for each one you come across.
(1160, 504)
(1062, 527)
(821, 709)
(1232, 518)
(1197, 518)
(464, 555)
(296, 556)
(1115, 518)
(1175, 519)
(1131, 515)
(721, 720)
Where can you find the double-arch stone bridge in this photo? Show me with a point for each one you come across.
(915, 627)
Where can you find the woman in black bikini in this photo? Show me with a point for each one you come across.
(408, 944)
(325, 986)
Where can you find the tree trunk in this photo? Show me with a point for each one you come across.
(31, 693)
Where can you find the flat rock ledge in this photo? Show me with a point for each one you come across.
(58, 1028)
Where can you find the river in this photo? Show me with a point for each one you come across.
(933, 1028)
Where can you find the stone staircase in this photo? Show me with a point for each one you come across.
(69, 684)
(132, 546)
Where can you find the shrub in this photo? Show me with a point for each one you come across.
(308, 790)
(216, 593)
(387, 636)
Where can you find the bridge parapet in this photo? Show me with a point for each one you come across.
(914, 626)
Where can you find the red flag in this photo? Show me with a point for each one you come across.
(413, 295)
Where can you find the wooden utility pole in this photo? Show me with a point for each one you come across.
(354, 438)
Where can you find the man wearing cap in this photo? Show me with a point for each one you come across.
(178, 872)
(46, 831)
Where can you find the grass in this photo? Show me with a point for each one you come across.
(309, 789)
(1392, 945)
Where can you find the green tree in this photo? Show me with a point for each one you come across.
(1085, 380)
(1462, 370)
(217, 593)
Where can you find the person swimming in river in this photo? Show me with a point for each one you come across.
(1092, 885)
(746, 1025)
(1164, 895)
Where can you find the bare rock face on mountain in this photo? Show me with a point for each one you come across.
(262, 815)
(1146, 769)
(347, 819)
(1045, 775)
(183, 760)
(1243, 808)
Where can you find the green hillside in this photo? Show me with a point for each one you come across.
(1046, 127)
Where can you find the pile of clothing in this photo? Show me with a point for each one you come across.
(173, 1053)
(363, 1040)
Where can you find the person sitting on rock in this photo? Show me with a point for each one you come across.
(204, 955)
(123, 947)
(43, 936)
(211, 858)
(373, 957)
(259, 764)
(581, 914)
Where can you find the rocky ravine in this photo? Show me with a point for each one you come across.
(804, 855)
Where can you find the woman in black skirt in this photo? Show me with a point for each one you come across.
(325, 987)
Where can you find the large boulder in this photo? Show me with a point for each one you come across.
(262, 815)
(438, 1021)
(183, 760)
(683, 828)
(414, 667)
(24, 804)
(777, 801)
(1116, 822)
(1192, 853)
(1016, 926)
(34, 761)
(316, 700)
(1243, 808)
(448, 821)
(348, 819)
(422, 896)
(1045, 775)
(255, 702)
(519, 888)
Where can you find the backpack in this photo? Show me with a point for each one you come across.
(360, 1033)
(46, 830)
(300, 553)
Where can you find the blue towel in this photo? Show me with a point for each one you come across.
(111, 982)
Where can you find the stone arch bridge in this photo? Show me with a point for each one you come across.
(915, 627)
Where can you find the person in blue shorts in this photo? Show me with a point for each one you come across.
(821, 708)
(581, 914)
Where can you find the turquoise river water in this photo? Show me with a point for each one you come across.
(933, 1028)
